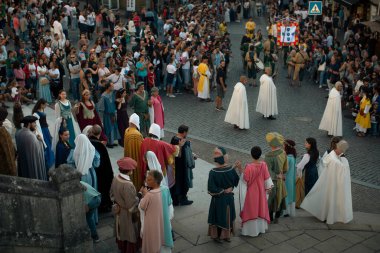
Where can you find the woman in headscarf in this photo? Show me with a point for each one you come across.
(221, 182)
(123, 194)
(85, 160)
(167, 207)
(277, 163)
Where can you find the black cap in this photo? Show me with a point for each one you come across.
(29, 119)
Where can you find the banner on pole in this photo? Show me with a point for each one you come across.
(287, 34)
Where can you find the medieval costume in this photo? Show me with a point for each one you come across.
(290, 180)
(43, 129)
(165, 153)
(153, 230)
(267, 100)
(157, 112)
(65, 117)
(7, 149)
(132, 149)
(140, 106)
(330, 199)
(104, 173)
(167, 207)
(253, 198)
(237, 112)
(277, 166)
(332, 117)
(122, 119)
(30, 149)
(62, 153)
(221, 215)
(123, 193)
(87, 115)
(184, 165)
(108, 109)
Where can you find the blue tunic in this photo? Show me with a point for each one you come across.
(290, 181)
(44, 90)
(66, 114)
(166, 202)
(107, 107)
(62, 153)
(49, 155)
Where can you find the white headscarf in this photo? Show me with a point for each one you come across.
(155, 130)
(86, 130)
(84, 154)
(154, 164)
(135, 119)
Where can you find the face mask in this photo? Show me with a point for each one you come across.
(219, 160)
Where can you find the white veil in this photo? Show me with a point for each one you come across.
(84, 154)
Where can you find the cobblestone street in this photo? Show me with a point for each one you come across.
(300, 112)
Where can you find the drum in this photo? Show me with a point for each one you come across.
(259, 65)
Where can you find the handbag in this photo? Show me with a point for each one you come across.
(322, 67)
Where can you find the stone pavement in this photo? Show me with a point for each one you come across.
(303, 233)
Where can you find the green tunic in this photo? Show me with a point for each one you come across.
(140, 105)
(277, 165)
(222, 204)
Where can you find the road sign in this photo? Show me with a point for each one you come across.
(315, 7)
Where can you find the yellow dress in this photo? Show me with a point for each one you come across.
(132, 148)
(365, 120)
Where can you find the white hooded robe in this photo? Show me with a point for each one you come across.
(330, 199)
(237, 112)
(267, 101)
(332, 117)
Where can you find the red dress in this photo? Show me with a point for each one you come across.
(88, 115)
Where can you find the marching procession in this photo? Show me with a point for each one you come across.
(106, 87)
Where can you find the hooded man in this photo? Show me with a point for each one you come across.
(277, 163)
(330, 198)
(104, 172)
(267, 101)
(237, 112)
(132, 148)
(332, 117)
(165, 153)
(30, 148)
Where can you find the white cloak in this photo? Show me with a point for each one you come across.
(237, 112)
(332, 117)
(267, 101)
(330, 199)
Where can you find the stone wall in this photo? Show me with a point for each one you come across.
(39, 216)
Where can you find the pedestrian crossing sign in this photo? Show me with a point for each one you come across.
(315, 7)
